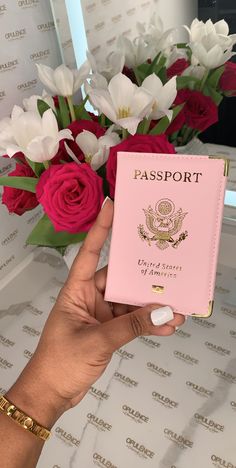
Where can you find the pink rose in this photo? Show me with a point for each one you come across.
(228, 79)
(177, 68)
(71, 196)
(138, 144)
(16, 200)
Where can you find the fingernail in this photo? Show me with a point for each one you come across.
(162, 315)
(176, 328)
(104, 202)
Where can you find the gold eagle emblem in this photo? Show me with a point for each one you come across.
(163, 222)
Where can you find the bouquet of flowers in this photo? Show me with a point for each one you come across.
(150, 95)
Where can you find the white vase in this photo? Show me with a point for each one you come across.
(195, 146)
(73, 249)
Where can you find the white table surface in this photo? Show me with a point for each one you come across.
(163, 402)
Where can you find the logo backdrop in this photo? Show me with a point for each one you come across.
(28, 36)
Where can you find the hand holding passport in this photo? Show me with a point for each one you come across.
(166, 231)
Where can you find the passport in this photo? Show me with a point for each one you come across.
(166, 230)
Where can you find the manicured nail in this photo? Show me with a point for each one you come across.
(104, 202)
(162, 315)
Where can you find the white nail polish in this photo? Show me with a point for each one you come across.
(104, 202)
(162, 315)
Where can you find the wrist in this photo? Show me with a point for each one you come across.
(32, 394)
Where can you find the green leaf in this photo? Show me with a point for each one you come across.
(158, 67)
(141, 127)
(64, 111)
(186, 81)
(38, 168)
(182, 45)
(215, 77)
(152, 66)
(23, 183)
(102, 173)
(217, 97)
(42, 106)
(164, 123)
(44, 234)
(162, 74)
(81, 113)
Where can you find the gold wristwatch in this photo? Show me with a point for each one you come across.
(22, 419)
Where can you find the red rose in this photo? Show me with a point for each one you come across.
(177, 68)
(130, 74)
(16, 200)
(228, 79)
(71, 196)
(138, 144)
(90, 125)
(200, 111)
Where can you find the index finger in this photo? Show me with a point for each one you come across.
(86, 261)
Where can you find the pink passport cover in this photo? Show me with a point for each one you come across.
(166, 231)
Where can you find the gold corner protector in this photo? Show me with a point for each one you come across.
(226, 167)
(226, 163)
(209, 312)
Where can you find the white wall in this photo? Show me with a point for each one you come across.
(177, 12)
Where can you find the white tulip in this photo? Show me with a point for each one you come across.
(155, 36)
(210, 43)
(173, 54)
(31, 103)
(113, 64)
(96, 81)
(123, 102)
(218, 32)
(164, 96)
(210, 58)
(136, 52)
(96, 150)
(197, 71)
(63, 81)
(36, 137)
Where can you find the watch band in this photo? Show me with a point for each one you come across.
(23, 419)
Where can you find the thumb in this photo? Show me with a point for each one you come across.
(149, 320)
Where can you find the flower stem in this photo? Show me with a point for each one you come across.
(187, 136)
(139, 82)
(124, 133)
(146, 126)
(71, 107)
(204, 79)
(103, 120)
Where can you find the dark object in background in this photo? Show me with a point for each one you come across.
(217, 10)
(224, 132)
